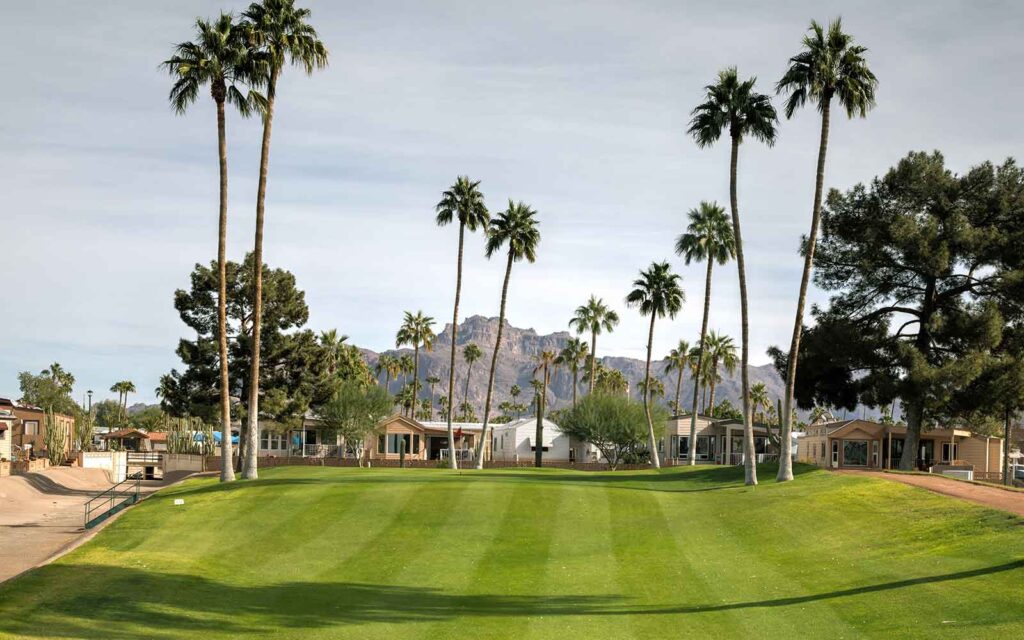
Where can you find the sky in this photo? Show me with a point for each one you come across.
(580, 109)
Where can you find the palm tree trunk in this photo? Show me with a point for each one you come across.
(249, 470)
(785, 448)
(538, 445)
(593, 360)
(1007, 432)
(465, 392)
(691, 458)
(679, 386)
(227, 469)
(415, 376)
(651, 440)
(749, 458)
(494, 364)
(575, 383)
(711, 389)
(452, 462)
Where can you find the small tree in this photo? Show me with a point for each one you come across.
(614, 424)
(354, 412)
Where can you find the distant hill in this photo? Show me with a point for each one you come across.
(515, 366)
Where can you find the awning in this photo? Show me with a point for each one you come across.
(3, 426)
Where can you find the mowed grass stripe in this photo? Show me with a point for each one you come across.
(508, 581)
(577, 580)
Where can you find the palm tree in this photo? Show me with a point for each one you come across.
(514, 391)
(463, 202)
(830, 65)
(546, 363)
(594, 317)
(470, 353)
(656, 293)
(417, 331)
(334, 345)
(432, 381)
(385, 364)
(573, 355)
(720, 350)
(657, 387)
(678, 359)
(220, 58)
(708, 238)
(406, 366)
(61, 377)
(760, 401)
(123, 388)
(279, 33)
(517, 228)
(733, 106)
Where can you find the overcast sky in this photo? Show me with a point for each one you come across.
(107, 199)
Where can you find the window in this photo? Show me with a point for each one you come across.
(874, 453)
(949, 452)
(31, 427)
(395, 440)
(264, 439)
(835, 453)
(381, 444)
(416, 443)
(760, 443)
(823, 450)
(684, 446)
(855, 453)
(661, 445)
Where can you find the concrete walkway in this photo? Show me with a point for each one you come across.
(42, 513)
(994, 497)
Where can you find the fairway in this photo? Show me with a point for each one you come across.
(310, 552)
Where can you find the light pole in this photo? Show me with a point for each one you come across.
(89, 393)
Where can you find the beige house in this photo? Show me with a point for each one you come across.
(29, 430)
(423, 440)
(864, 444)
(717, 441)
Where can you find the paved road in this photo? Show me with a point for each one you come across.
(41, 513)
(1012, 501)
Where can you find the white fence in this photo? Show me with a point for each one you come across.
(115, 463)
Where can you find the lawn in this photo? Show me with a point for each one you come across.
(311, 552)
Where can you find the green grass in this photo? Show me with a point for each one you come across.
(392, 553)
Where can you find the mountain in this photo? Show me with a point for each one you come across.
(515, 366)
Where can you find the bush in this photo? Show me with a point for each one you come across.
(615, 424)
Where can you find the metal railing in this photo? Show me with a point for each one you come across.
(462, 455)
(143, 459)
(109, 502)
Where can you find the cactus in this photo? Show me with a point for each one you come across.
(55, 440)
(181, 436)
(401, 453)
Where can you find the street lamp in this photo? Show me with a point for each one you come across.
(89, 393)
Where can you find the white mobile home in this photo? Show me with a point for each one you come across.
(516, 442)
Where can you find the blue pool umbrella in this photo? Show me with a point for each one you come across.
(217, 437)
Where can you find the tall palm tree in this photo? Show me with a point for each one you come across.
(417, 331)
(830, 65)
(655, 293)
(123, 388)
(432, 381)
(546, 362)
(279, 32)
(595, 317)
(517, 228)
(334, 345)
(708, 238)
(731, 105)
(678, 360)
(221, 58)
(463, 202)
(721, 350)
(573, 355)
(470, 353)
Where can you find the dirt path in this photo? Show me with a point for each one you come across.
(993, 497)
(41, 513)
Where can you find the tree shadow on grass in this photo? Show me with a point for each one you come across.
(115, 602)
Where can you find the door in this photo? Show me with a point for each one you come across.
(835, 453)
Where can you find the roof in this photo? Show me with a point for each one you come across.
(465, 426)
(125, 433)
(158, 436)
